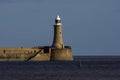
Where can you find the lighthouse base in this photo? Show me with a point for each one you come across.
(63, 54)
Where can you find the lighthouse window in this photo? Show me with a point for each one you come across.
(4, 51)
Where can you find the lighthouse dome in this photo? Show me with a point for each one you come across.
(57, 18)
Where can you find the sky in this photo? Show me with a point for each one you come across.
(90, 27)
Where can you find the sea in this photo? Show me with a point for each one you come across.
(82, 68)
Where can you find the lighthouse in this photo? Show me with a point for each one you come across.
(57, 40)
(59, 52)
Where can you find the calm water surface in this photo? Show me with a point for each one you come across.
(74, 70)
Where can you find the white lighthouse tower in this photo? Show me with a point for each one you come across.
(57, 40)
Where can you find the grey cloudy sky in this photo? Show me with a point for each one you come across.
(91, 27)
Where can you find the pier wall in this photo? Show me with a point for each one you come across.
(24, 54)
(46, 53)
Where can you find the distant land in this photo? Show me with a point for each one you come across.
(96, 58)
